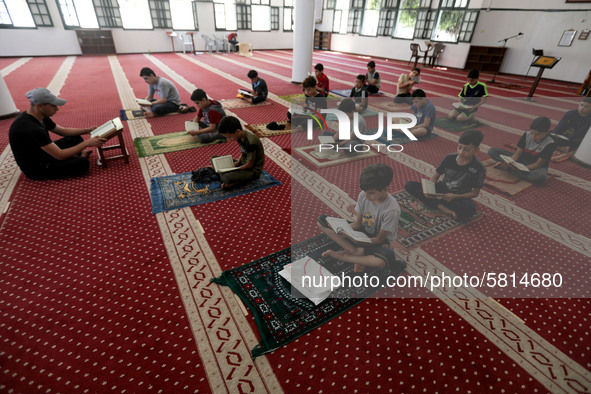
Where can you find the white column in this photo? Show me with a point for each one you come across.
(303, 40)
(7, 107)
(583, 153)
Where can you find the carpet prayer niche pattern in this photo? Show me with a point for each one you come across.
(282, 317)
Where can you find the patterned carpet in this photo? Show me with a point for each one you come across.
(100, 295)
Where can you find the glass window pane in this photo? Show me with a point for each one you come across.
(262, 15)
(370, 23)
(405, 25)
(135, 14)
(181, 13)
(448, 26)
(19, 13)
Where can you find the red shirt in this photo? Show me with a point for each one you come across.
(323, 82)
(231, 36)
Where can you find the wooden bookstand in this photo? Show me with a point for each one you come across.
(124, 155)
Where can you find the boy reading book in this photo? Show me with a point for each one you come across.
(168, 99)
(347, 145)
(359, 94)
(377, 213)
(259, 89)
(373, 78)
(425, 112)
(252, 159)
(571, 130)
(534, 151)
(208, 117)
(323, 83)
(315, 101)
(458, 179)
(472, 96)
(405, 84)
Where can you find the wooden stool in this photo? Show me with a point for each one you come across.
(124, 155)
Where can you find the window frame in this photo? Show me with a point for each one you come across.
(118, 22)
(154, 11)
(277, 23)
(450, 6)
(288, 5)
(423, 5)
(59, 7)
(243, 24)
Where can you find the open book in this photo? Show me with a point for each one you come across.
(245, 92)
(191, 126)
(429, 188)
(416, 79)
(341, 226)
(223, 164)
(310, 278)
(143, 102)
(509, 160)
(459, 105)
(108, 129)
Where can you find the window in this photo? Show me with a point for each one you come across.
(225, 15)
(243, 17)
(195, 19)
(40, 12)
(107, 13)
(355, 13)
(15, 13)
(135, 14)
(160, 11)
(467, 30)
(261, 14)
(424, 25)
(330, 4)
(340, 19)
(371, 17)
(288, 15)
(274, 18)
(407, 17)
(78, 13)
(182, 14)
(449, 20)
(387, 17)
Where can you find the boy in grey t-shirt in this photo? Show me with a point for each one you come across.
(377, 213)
(168, 99)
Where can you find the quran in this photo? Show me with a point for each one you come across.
(245, 92)
(341, 226)
(509, 160)
(223, 164)
(309, 278)
(429, 188)
(191, 126)
(143, 102)
(108, 129)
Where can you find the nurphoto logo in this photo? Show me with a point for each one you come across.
(394, 121)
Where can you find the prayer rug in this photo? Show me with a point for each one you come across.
(347, 93)
(502, 180)
(179, 191)
(419, 224)
(330, 158)
(455, 126)
(165, 143)
(239, 103)
(281, 316)
(133, 114)
(262, 131)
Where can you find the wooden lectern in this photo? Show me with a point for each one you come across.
(542, 62)
(124, 155)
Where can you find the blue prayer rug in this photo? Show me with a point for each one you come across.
(179, 191)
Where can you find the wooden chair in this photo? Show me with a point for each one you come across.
(414, 47)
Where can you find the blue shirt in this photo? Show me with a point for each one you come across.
(426, 111)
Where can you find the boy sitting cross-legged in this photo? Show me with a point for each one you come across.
(377, 213)
(209, 116)
(252, 158)
(534, 151)
(463, 177)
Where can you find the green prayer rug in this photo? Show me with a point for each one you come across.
(455, 126)
(419, 223)
(282, 317)
(166, 143)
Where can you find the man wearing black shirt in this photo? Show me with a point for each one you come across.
(35, 153)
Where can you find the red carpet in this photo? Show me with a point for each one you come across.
(100, 295)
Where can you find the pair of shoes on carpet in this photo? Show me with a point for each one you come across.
(183, 109)
(275, 126)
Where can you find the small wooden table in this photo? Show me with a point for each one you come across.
(124, 155)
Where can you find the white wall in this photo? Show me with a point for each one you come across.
(50, 41)
(542, 30)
